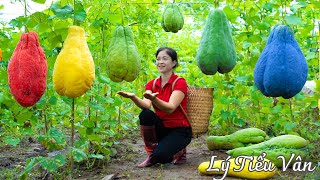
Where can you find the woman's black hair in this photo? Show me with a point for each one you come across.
(171, 52)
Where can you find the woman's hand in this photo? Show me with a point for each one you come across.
(150, 96)
(141, 103)
(126, 94)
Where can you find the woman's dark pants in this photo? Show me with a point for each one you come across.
(170, 140)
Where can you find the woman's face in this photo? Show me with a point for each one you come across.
(164, 62)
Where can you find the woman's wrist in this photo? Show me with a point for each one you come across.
(132, 97)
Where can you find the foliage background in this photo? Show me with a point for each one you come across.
(102, 117)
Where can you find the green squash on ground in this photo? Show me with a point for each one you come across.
(216, 51)
(123, 59)
(237, 139)
(281, 145)
(172, 18)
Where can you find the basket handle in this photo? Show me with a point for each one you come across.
(154, 83)
(181, 108)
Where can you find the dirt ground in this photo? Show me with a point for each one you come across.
(130, 152)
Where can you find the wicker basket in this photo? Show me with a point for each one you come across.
(200, 106)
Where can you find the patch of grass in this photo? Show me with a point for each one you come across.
(9, 173)
(13, 172)
(313, 175)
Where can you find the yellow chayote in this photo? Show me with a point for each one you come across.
(74, 70)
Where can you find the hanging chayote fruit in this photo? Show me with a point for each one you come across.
(216, 51)
(282, 68)
(172, 18)
(123, 59)
(74, 70)
(27, 70)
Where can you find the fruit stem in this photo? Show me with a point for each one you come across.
(122, 16)
(25, 15)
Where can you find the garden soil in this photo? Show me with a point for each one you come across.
(130, 152)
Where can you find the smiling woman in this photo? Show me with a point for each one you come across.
(165, 131)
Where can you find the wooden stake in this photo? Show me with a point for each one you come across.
(72, 138)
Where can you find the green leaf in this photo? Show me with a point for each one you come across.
(230, 13)
(267, 101)
(3, 75)
(108, 99)
(67, 100)
(290, 125)
(241, 78)
(255, 39)
(267, 6)
(277, 109)
(19, 21)
(52, 164)
(246, 44)
(53, 100)
(57, 134)
(103, 79)
(115, 18)
(293, 20)
(109, 133)
(12, 141)
(94, 138)
(80, 13)
(254, 95)
(54, 140)
(317, 89)
(112, 122)
(118, 101)
(29, 167)
(96, 156)
(314, 104)
(41, 103)
(96, 106)
(1, 97)
(64, 12)
(225, 100)
(316, 123)
(81, 143)
(79, 155)
(296, 7)
(55, 39)
(98, 23)
(240, 122)
(39, 1)
(87, 123)
(89, 131)
(299, 96)
(225, 114)
(42, 27)
(311, 55)
(263, 26)
(265, 110)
